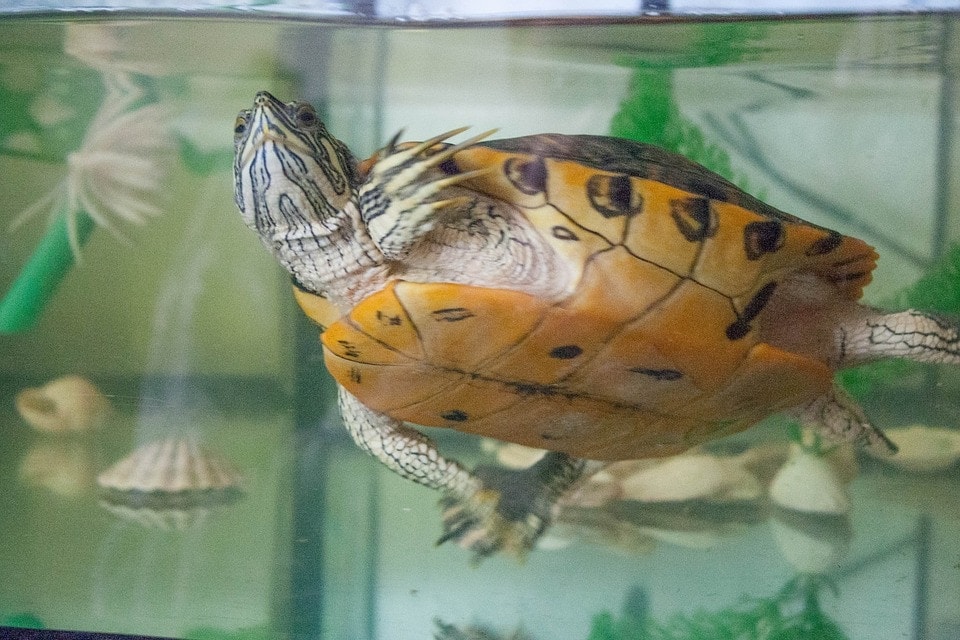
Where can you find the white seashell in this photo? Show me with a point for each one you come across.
(61, 467)
(595, 528)
(703, 539)
(813, 549)
(809, 483)
(162, 519)
(692, 477)
(170, 466)
(517, 456)
(924, 449)
(598, 490)
(67, 404)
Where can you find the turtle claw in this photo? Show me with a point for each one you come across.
(479, 525)
(397, 198)
(509, 509)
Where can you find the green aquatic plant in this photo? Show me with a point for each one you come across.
(938, 290)
(22, 621)
(261, 632)
(115, 174)
(650, 114)
(794, 613)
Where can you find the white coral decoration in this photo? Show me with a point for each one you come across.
(118, 172)
(104, 47)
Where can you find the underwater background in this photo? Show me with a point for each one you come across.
(132, 270)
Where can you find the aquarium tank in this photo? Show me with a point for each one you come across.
(173, 462)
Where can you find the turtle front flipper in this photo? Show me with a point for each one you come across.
(487, 511)
(400, 199)
(511, 509)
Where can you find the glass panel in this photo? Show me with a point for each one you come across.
(147, 285)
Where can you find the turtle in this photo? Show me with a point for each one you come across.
(598, 298)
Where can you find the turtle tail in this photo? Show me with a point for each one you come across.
(915, 335)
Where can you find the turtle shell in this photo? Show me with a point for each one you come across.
(653, 351)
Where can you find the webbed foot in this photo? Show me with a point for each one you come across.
(510, 509)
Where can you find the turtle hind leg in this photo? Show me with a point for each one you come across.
(838, 417)
(488, 510)
(512, 509)
(911, 334)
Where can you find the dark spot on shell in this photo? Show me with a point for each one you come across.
(355, 375)
(349, 349)
(737, 330)
(566, 352)
(761, 238)
(563, 233)
(530, 176)
(449, 166)
(454, 415)
(613, 196)
(533, 389)
(741, 326)
(658, 374)
(694, 218)
(708, 189)
(452, 314)
(826, 244)
(758, 301)
(388, 320)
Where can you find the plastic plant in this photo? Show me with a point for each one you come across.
(794, 613)
(115, 173)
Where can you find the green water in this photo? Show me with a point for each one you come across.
(188, 327)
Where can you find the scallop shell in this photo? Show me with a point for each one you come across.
(158, 518)
(172, 466)
(67, 404)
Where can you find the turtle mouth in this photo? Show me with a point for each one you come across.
(266, 127)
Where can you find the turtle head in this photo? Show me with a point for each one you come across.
(292, 179)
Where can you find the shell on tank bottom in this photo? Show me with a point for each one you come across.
(924, 449)
(170, 466)
(169, 484)
(63, 467)
(164, 519)
(813, 543)
(810, 482)
(67, 404)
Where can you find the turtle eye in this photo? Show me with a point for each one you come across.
(306, 116)
(240, 125)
